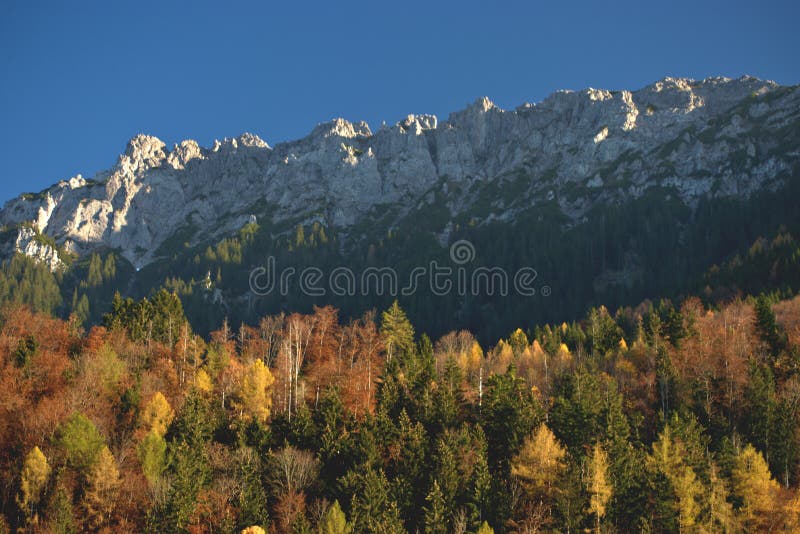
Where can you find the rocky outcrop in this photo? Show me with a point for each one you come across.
(712, 137)
(31, 243)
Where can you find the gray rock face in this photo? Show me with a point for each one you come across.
(30, 244)
(717, 137)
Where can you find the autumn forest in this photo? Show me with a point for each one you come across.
(660, 418)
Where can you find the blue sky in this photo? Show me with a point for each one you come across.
(78, 79)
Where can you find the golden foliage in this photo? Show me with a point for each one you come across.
(157, 414)
(203, 382)
(754, 485)
(33, 478)
(255, 399)
(539, 462)
(103, 486)
(600, 488)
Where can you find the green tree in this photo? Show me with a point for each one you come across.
(768, 328)
(60, 512)
(81, 442)
(372, 507)
(398, 334)
(152, 452)
(94, 276)
(82, 310)
(110, 267)
(509, 414)
(436, 519)
(188, 465)
(334, 521)
(518, 341)
(682, 489)
(252, 498)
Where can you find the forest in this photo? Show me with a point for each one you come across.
(666, 417)
(652, 246)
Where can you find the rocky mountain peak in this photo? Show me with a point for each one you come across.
(341, 128)
(718, 136)
(251, 140)
(144, 151)
(418, 123)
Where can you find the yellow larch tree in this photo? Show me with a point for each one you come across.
(102, 489)
(599, 487)
(33, 478)
(157, 414)
(539, 462)
(254, 400)
(755, 487)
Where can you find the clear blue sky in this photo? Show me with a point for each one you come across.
(78, 79)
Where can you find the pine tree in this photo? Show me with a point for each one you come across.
(687, 489)
(334, 521)
(94, 277)
(720, 511)
(446, 475)
(109, 267)
(518, 341)
(670, 458)
(372, 508)
(60, 512)
(768, 328)
(397, 331)
(436, 519)
(203, 382)
(82, 310)
(252, 498)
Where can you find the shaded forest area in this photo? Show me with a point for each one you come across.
(652, 246)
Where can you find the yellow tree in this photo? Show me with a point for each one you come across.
(669, 457)
(203, 382)
(687, 489)
(255, 393)
(720, 517)
(33, 478)
(599, 487)
(755, 487)
(157, 414)
(539, 463)
(102, 487)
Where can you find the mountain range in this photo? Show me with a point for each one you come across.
(615, 194)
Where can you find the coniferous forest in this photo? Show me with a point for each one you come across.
(666, 417)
